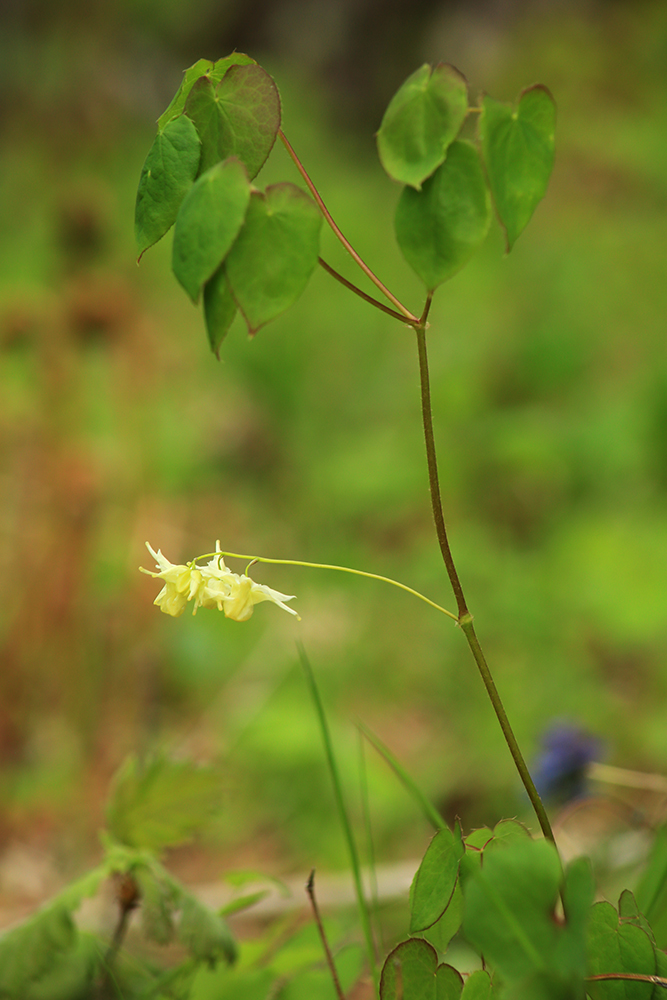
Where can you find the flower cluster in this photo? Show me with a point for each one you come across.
(210, 586)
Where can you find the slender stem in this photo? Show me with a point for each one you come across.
(465, 618)
(492, 691)
(346, 243)
(434, 484)
(634, 976)
(342, 813)
(128, 900)
(341, 569)
(310, 889)
(357, 291)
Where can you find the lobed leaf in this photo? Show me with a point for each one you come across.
(219, 309)
(439, 228)
(652, 889)
(435, 880)
(208, 222)
(518, 150)
(168, 173)
(423, 117)
(238, 117)
(205, 934)
(160, 802)
(30, 951)
(275, 253)
(617, 945)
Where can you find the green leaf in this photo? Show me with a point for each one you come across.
(205, 934)
(208, 222)
(203, 67)
(448, 983)
(243, 902)
(159, 802)
(409, 972)
(578, 895)
(509, 908)
(159, 899)
(275, 253)
(479, 838)
(478, 986)
(238, 117)
(651, 892)
(439, 228)
(423, 117)
(616, 945)
(435, 880)
(507, 831)
(630, 913)
(518, 149)
(444, 929)
(168, 173)
(219, 309)
(30, 951)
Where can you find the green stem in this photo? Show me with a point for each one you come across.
(346, 243)
(342, 814)
(465, 618)
(340, 569)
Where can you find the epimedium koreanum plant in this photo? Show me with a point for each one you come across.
(541, 935)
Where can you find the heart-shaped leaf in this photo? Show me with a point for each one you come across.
(276, 252)
(518, 150)
(435, 880)
(423, 117)
(203, 67)
(478, 986)
(616, 945)
(440, 227)
(238, 117)
(219, 309)
(170, 168)
(208, 222)
(411, 972)
(509, 908)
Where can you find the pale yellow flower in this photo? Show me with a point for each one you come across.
(210, 586)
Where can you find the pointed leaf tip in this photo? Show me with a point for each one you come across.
(167, 175)
(518, 147)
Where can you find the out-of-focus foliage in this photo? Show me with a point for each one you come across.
(117, 425)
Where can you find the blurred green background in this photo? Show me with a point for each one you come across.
(117, 426)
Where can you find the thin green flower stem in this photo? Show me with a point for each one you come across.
(342, 814)
(465, 618)
(341, 569)
(357, 291)
(346, 243)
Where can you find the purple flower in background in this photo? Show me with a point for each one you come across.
(559, 772)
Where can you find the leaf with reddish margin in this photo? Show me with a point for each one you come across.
(238, 117)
